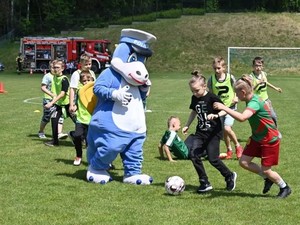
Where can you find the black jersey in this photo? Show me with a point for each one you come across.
(204, 106)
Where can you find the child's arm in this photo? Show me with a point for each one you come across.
(192, 116)
(274, 87)
(168, 153)
(160, 150)
(45, 90)
(241, 117)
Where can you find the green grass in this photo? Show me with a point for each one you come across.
(39, 185)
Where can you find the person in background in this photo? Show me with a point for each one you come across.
(265, 139)
(19, 61)
(260, 83)
(221, 84)
(48, 96)
(208, 133)
(171, 142)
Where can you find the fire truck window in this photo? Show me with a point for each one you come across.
(98, 47)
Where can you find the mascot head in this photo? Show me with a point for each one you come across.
(131, 54)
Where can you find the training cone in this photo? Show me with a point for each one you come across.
(2, 88)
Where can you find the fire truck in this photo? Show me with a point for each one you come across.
(39, 51)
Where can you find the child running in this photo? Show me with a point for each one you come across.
(171, 142)
(260, 84)
(208, 133)
(221, 84)
(264, 141)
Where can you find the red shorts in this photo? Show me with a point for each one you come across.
(269, 153)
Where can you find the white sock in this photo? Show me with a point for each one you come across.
(281, 184)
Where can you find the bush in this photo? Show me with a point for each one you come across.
(193, 11)
(172, 13)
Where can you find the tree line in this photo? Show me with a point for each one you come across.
(50, 16)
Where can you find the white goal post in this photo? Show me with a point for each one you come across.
(277, 59)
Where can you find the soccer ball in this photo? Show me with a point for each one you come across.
(174, 185)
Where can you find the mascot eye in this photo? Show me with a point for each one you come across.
(132, 58)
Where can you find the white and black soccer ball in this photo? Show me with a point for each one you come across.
(174, 185)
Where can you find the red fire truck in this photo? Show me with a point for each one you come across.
(39, 51)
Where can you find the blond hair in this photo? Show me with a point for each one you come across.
(84, 58)
(219, 61)
(170, 120)
(245, 83)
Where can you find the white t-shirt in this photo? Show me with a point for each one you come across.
(76, 77)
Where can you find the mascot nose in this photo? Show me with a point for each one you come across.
(139, 73)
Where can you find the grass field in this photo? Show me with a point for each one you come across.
(39, 185)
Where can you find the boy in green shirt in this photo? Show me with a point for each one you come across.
(171, 142)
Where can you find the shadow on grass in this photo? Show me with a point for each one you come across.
(62, 142)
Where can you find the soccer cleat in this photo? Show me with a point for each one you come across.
(77, 161)
(62, 136)
(284, 192)
(42, 135)
(50, 144)
(204, 187)
(231, 181)
(229, 155)
(239, 151)
(267, 186)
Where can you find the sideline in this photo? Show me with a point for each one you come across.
(29, 101)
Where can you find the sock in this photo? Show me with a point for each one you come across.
(229, 149)
(281, 184)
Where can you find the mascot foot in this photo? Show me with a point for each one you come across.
(138, 179)
(98, 176)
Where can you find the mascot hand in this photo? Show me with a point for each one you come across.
(122, 95)
(146, 86)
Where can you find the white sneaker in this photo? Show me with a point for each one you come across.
(77, 161)
(62, 136)
(42, 135)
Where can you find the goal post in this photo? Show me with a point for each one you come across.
(277, 60)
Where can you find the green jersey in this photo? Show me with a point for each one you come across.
(260, 85)
(56, 88)
(223, 89)
(263, 127)
(176, 145)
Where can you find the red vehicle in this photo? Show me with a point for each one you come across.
(39, 51)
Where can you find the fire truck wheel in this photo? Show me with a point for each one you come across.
(95, 68)
(43, 66)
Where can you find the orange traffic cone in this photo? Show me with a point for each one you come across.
(2, 88)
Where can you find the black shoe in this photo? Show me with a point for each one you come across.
(111, 167)
(204, 187)
(50, 144)
(268, 185)
(284, 192)
(231, 182)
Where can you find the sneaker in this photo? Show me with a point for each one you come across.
(239, 151)
(267, 186)
(204, 187)
(77, 161)
(62, 136)
(284, 192)
(42, 135)
(50, 144)
(231, 181)
(229, 155)
(70, 134)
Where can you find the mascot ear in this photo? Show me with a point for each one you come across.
(87, 97)
(135, 73)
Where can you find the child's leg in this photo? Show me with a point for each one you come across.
(54, 124)
(78, 134)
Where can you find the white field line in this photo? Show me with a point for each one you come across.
(31, 101)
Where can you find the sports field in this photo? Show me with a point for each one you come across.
(39, 184)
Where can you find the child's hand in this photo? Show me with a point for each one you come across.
(212, 116)
(218, 106)
(185, 130)
(279, 89)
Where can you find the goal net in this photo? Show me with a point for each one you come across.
(277, 60)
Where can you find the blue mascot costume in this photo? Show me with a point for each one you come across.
(118, 124)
